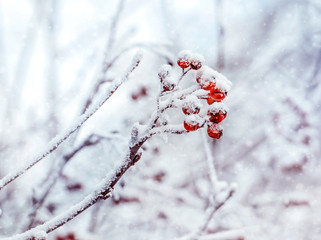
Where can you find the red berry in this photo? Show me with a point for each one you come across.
(214, 131)
(210, 99)
(206, 84)
(195, 64)
(217, 117)
(191, 126)
(215, 96)
(183, 63)
(218, 96)
(189, 108)
(168, 86)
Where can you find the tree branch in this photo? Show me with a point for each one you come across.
(209, 215)
(103, 191)
(38, 202)
(57, 141)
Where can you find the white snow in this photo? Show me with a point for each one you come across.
(192, 101)
(164, 71)
(194, 119)
(185, 54)
(197, 57)
(170, 80)
(221, 81)
(218, 106)
(40, 235)
(188, 55)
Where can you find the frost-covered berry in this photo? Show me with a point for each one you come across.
(196, 61)
(164, 71)
(184, 59)
(190, 108)
(195, 65)
(205, 83)
(217, 112)
(191, 126)
(193, 122)
(214, 130)
(207, 74)
(216, 117)
(183, 63)
(192, 105)
(168, 84)
(215, 95)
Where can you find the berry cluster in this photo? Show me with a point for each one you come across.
(216, 87)
(186, 59)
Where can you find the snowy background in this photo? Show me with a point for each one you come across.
(52, 55)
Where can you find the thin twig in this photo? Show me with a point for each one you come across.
(90, 141)
(103, 191)
(57, 141)
(112, 33)
(174, 129)
(107, 62)
(56, 173)
(210, 162)
(211, 211)
(208, 217)
(182, 76)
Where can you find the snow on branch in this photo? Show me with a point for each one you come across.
(58, 140)
(226, 235)
(102, 191)
(210, 211)
(194, 120)
(174, 129)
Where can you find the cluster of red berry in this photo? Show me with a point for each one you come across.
(186, 60)
(216, 85)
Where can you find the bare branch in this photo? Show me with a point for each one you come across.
(57, 141)
(210, 212)
(235, 234)
(38, 202)
(210, 162)
(182, 76)
(103, 191)
(112, 33)
(209, 215)
(174, 129)
(107, 63)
